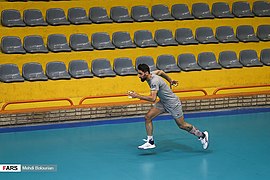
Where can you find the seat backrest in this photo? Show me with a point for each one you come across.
(58, 43)
(228, 59)
(261, 8)
(99, 15)
(265, 57)
(11, 18)
(161, 12)
(33, 17)
(146, 60)
(120, 14)
(12, 45)
(77, 15)
(102, 68)
(101, 40)
(141, 13)
(207, 60)
(10, 73)
(79, 69)
(164, 37)
(187, 62)
(122, 39)
(34, 44)
(167, 63)
(124, 66)
(263, 32)
(249, 58)
(33, 71)
(57, 70)
(181, 11)
(56, 16)
(221, 10)
(246, 33)
(201, 11)
(241, 9)
(144, 38)
(205, 35)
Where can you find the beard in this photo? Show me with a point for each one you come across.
(143, 79)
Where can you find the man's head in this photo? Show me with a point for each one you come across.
(143, 72)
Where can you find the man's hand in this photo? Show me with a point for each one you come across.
(132, 94)
(174, 83)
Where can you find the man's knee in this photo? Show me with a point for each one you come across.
(148, 118)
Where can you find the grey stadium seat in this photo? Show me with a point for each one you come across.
(10, 73)
(122, 39)
(207, 60)
(141, 14)
(33, 71)
(57, 70)
(56, 16)
(228, 59)
(184, 36)
(187, 62)
(58, 43)
(102, 41)
(99, 15)
(161, 12)
(265, 57)
(102, 68)
(249, 58)
(12, 18)
(120, 14)
(144, 38)
(263, 32)
(34, 44)
(167, 63)
(164, 37)
(205, 35)
(241, 9)
(124, 67)
(181, 12)
(77, 15)
(33, 17)
(225, 34)
(221, 10)
(245, 33)
(79, 69)
(261, 8)
(201, 11)
(80, 42)
(12, 45)
(145, 60)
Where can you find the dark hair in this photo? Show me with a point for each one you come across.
(144, 68)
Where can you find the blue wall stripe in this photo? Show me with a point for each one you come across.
(131, 120)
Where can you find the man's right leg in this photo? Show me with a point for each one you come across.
(151, 114)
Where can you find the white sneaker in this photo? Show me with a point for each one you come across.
(147, 145)
(205, 140)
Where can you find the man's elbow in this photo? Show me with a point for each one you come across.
(160, 72)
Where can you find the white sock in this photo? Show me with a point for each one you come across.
(150, 138)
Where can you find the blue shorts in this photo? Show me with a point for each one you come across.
(176, 111)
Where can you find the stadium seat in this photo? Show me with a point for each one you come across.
(141, 14)
(201, 11)
(181, 12)
(207, 60)
(57, 70)
(187, 62)
(122, 39)
(263, 32)
(12, 45)
(79, 69)
(161, 12)
(221, 10)
(228, 59)
(10, 73)
(102, 41)
(120, 14)
(58, 43)
(102, 68)
(80, 42)
(249, 58)
(245, 33)
(77, 15)
(261, 8)
(34, 44)
(99, 15)
(124, 67)
(12, 18)
(144, 38)
(265, 57)
(184, 36)
(164, 37)
(56, 16)
(225, 34)
(205, 35)
(33, 17)
(33, 71)
(167, 63)
(145, 60)
(241, 9)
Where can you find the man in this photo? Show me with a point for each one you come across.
(168, 102)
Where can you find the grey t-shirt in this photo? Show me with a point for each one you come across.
(165, 94)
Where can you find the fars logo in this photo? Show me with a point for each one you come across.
(10, 168)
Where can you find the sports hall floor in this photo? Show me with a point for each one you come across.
(239, 149)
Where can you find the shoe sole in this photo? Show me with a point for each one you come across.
(207, 137)
(151, 147)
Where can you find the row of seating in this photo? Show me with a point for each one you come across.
(142, 38)
(120, 14)
(56, 70)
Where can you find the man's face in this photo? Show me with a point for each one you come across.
(142, 75)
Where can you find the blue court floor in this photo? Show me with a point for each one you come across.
(239, 149)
